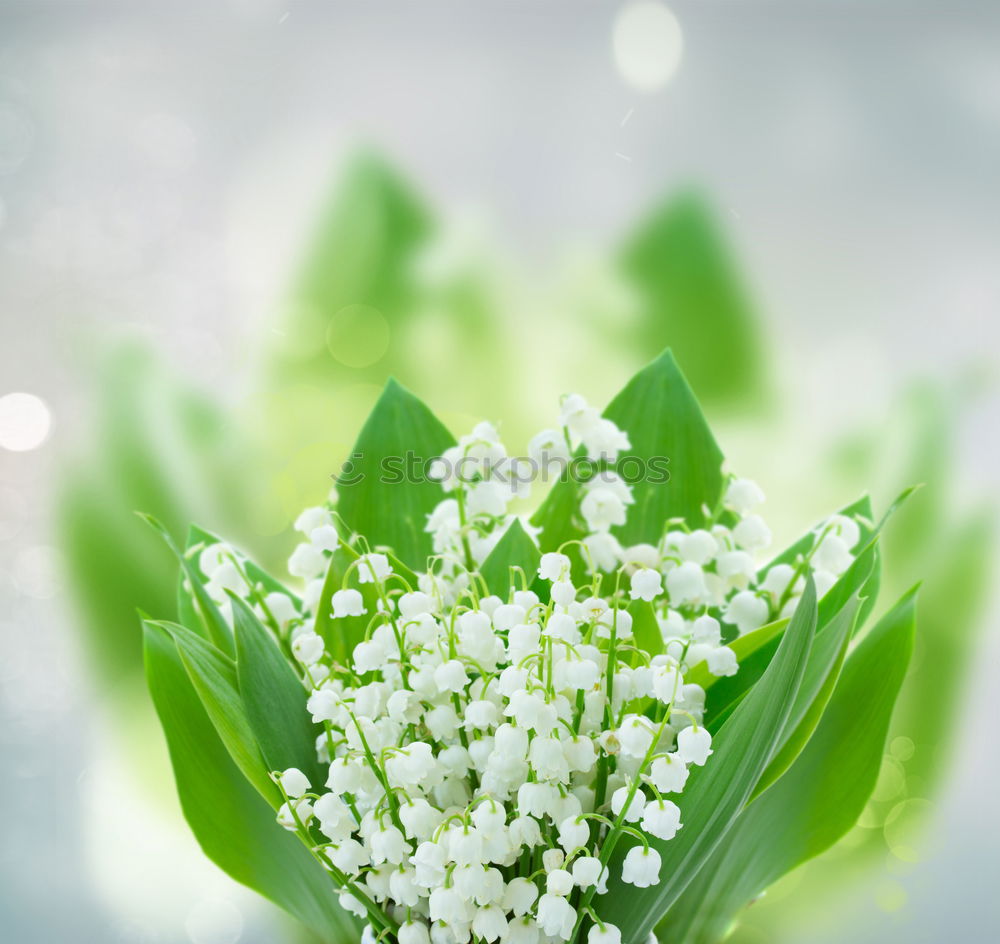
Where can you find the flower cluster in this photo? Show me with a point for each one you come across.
(487, 754)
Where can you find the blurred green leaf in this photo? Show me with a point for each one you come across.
(274, 699)
(816, 801)
(400, 436)
(156, 447)
(959, 568)
(356, 284)
(716, 793)
(233, 824)
(115, 565)
(515, 550)
(691, 300)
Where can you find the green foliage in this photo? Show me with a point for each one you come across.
(817, 801)
(166, 451)
(646, 629)
(274, 698)
(213, 677)
(716, 793)
(826, 658)
(193, 602)
(381, 502)
(515, 555)
(756, 650)
(342, 636)
(233, 823)
(766, 719)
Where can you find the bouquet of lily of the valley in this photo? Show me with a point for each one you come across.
(615, 718)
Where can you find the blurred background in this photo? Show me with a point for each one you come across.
(222, 226)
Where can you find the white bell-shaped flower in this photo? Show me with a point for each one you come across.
(694, 745)
(641, 867)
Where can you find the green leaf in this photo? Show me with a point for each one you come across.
(233, 824)
(213, 675)
(727, 692)
(358, 274)
(822, 671)
(744, 647)
(690, 297)
(659, 413)
(340, 636)
(156, 446)
(663, 421)
(194, 603)
(717, 792)
(962, 568)
(559, 519)
(514, 551)
(274, 698)
(401, 435)
(860, 511)
(819, 798)
(645, 628)
(254, 572)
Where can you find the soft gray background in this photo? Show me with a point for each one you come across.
(157, 163)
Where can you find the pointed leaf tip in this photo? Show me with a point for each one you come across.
(390, 494)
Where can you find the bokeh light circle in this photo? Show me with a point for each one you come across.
(25, 421)
(648, 44)
(358, 335)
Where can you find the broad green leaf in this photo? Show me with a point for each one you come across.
(389, 497)
(659, 413)
(663, 421)
(817, 800)
(822, 671)
(645, 627)
(213, 676)
(233, 824)
(559, 519)
(717, 792)
(691, 298)
(514, 552)
(274, 698)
